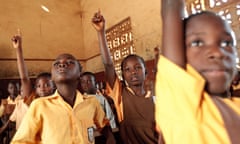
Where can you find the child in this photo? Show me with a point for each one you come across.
(105, 92)
(193, 79)
(43, 83)
(9, 102)
(65, 117)
(13, 93)
(135, 109)
(8, 105)
(89, 87)
(44, 86)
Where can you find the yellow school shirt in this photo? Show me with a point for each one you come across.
(10, 101)
(236, 100)
(50, 120)
(19, 112)
(185, 113)
(116, 95)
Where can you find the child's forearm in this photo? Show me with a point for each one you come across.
(106, 57)
(172, 12)
(21, 65)
(23, 72)
(172, 6)
(99, 24)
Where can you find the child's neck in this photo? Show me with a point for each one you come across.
(226, 94)
(137, 90)
(12, 97)
(67, 93)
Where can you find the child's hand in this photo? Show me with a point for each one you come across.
(17, 40)
(98, 21)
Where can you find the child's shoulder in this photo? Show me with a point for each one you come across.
(41, 100)
(89, 98)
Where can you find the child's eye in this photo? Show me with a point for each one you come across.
(69, 62)
(226, 43)
(46, 85)
(138, 67)
(196, 43)
(55, 64)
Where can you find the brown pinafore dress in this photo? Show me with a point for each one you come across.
(138, 125)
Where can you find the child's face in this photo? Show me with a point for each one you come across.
(87, 84)
(65, 68)
(44, 86)
(211, 51)
(134, 71)
(12, 89)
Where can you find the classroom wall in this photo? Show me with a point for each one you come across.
(67, 28)
(146, 26)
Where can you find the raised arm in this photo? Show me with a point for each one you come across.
(173, 31)
(22, 69)
(98, 22)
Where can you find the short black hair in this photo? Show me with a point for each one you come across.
(88, 73)
(135, 56)
(12, 82)
(210, 13)
(44, 74)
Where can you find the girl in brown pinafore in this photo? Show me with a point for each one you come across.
(135, 106)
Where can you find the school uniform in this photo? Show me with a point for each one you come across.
(187, 114)
(50, 120)
(19, 112)
(107, 109)
(135, 115)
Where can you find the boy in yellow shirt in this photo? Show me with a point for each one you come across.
(195, 71)
(66, 117)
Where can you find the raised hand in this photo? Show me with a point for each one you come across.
(98, 21)
(17, 40)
